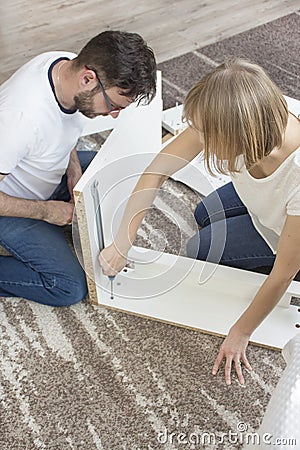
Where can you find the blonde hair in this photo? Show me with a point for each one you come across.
(240, 111)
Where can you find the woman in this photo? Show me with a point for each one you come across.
(239, 118)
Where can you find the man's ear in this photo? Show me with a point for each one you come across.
(87, 77)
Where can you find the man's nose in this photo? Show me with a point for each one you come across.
(114, 114)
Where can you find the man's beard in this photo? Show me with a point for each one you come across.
(84, 103)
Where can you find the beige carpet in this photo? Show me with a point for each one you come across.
(86, 378)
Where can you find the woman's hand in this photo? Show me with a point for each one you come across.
(233, 350)
(112, 260)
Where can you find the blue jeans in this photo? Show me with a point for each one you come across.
(42, 266)
(227, 235)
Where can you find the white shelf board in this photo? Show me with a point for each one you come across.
(168, 290)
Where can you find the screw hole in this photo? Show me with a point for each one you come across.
(124, 270)
(297, 325)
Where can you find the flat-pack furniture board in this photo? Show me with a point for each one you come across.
(158, 285)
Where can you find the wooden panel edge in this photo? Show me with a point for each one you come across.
(187, 327)
(85, 246)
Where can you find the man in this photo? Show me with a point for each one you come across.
(42, 109)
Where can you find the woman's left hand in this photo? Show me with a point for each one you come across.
(233, 350)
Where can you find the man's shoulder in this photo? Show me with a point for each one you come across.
(28, 89)
(52, 55)
(43, 61)
(36, 66)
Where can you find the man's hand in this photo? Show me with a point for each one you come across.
(233, 350)
(112, 260)
(57, 212)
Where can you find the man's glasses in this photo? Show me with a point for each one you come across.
(111, 108)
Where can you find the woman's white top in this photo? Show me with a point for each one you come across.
(271, 199)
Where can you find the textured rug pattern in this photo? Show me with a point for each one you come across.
(87, 378)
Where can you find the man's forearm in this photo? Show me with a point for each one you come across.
(18, 207)
(74, 163)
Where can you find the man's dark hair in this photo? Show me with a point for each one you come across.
(123, 60)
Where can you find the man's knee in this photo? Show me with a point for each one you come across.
(77, 292)
(67, 290)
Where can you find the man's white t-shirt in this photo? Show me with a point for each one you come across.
(269, 200)
(36, 134)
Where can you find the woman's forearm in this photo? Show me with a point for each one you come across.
(167, 162)
(172, 158)
(140, 200)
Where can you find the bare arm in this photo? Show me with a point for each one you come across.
(286, 266)
(58, 213)
(73, 172)
(171, 159)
